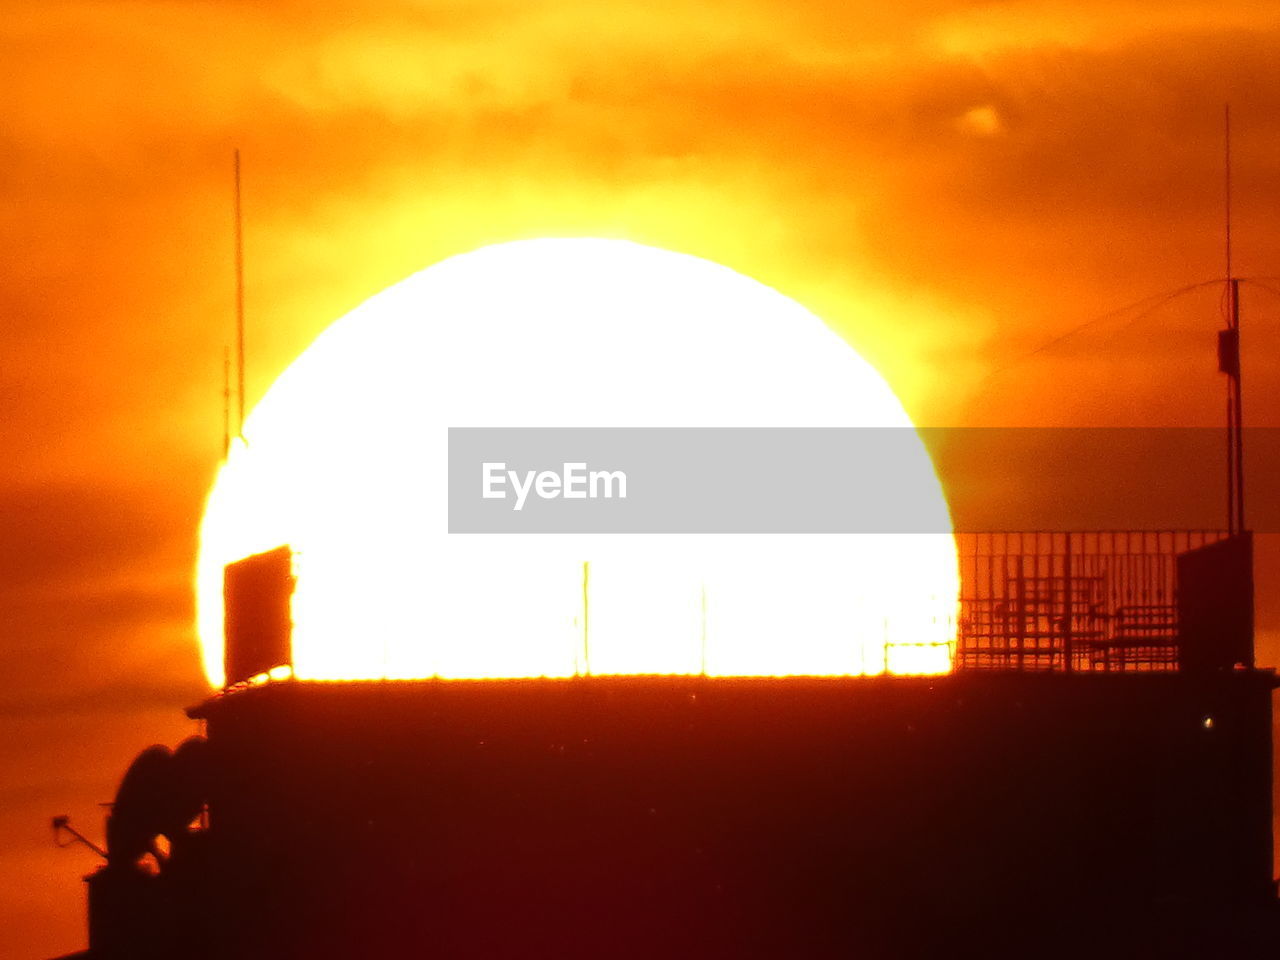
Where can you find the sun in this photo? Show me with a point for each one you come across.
(345, 460)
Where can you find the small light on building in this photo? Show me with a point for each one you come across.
(1207, 722)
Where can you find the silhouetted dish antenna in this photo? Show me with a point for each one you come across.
(161, 795)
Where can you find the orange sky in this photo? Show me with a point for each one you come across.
(950, 185)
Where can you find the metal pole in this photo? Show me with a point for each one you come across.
(1226, 149)
(1068, 612)
(239, 301)
(1238, 407)
(704, 629)
(226, 402)
(586, 617)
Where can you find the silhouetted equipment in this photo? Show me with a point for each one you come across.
(1229, 358)
(1123, 600)
(1215, 605)
(258, 620)
(149, 900)
(160, 795)
(1229, 352)
(133, 824)
(62, 824)
(1229, 363)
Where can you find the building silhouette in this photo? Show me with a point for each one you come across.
(1093, 778)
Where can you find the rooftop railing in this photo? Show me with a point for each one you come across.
(1092, 600)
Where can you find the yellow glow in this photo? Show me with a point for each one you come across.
(345, 460)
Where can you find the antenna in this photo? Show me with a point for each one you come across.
(704, 630)
(239, 303)
(1226, 164)
(226, 402)
(1235, 324)
(586, 617)
(1229, 358)
(62, 824)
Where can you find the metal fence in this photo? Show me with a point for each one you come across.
(1086, 601)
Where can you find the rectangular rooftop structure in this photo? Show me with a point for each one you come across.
(258, 620)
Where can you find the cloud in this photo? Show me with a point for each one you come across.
(981, 121)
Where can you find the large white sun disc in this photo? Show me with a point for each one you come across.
(346, 461)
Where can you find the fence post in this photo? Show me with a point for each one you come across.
(1068, 613)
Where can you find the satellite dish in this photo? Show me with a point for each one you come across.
(159, 796)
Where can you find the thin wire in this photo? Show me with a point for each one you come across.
(1151, 303)
(1253, 282)
(1156, 306)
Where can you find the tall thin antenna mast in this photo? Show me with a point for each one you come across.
(704, 630)
(1229, 359)
(239, 304)
(586, 617)
(226, 402)
(1237, 405)
(1226, 165)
